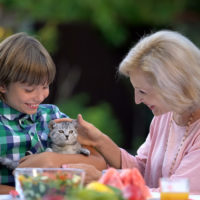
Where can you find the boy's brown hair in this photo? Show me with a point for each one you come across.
(24, 59)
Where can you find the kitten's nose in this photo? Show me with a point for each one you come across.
(67, 137)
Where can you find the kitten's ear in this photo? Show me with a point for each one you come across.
(75, 123)
(52, 124)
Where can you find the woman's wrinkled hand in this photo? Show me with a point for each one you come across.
(88, 134)
(91, 173)
(63, 120)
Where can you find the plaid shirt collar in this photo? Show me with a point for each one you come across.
(11, 114)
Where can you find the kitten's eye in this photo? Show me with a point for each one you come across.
(71, 131)
(61, 131)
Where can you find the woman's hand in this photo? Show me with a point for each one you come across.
(88, 134)
(92, 174)
(91, 136)
(62, 120)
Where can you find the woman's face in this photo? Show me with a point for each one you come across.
(146, 94)
(25, 98)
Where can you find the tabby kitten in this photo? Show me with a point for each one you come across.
(63, 139)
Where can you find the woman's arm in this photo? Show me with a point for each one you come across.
(110, 151)
(5, 189)
(91, 136)
(51, 159)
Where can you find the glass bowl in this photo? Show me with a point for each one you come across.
(41, 183)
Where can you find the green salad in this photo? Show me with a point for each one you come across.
(47, 184)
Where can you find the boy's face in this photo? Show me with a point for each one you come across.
(25, 98)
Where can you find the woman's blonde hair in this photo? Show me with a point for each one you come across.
(171, 64)
(24, 59)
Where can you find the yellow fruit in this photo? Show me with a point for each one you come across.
(21, 178)
(99, 187)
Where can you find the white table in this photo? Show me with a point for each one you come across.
(155, 196)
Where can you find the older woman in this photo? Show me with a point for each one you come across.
(164, 70)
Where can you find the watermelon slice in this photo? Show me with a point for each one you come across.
(131, 176)
(112, 178)
(129, 181)
(133, 192)
(134, 177)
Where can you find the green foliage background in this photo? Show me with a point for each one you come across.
(100, 115)
(112, 19)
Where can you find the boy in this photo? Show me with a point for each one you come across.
(26, 70)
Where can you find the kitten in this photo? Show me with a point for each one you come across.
(63, 138)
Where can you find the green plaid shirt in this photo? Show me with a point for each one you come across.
(21, 132)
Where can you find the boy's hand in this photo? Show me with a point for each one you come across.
(45, 159)
(5, 189)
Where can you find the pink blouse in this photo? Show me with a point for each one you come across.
(154, 158)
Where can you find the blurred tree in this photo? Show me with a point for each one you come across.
(111, 17)
(120, 23)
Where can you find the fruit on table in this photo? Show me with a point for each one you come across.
(129, 181)
(100, 187)
(134, 184)
(112, 178)
(89, 194)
